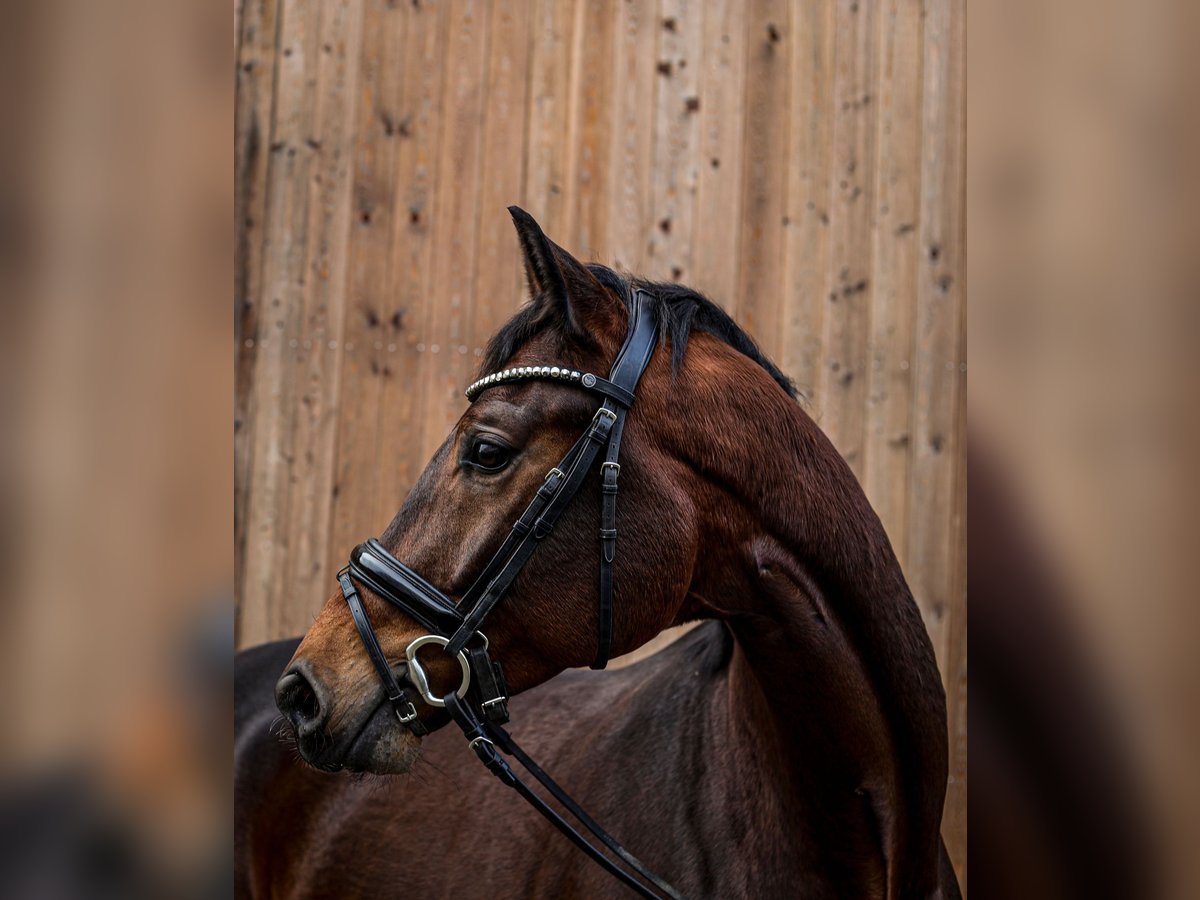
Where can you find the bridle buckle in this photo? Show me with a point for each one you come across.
(409, 716)
(485, 749)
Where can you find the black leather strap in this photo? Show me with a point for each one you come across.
(609, 390)
(610, 469)
(484, 738)
(488, 684)
(631, 362)
(405, 711)
(639, 345)
(596, 437)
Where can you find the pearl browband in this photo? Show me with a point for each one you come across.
(523, 373)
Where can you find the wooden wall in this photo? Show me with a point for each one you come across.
(802, 163)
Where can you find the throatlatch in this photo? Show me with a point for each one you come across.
(479, 705)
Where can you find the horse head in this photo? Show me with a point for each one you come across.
(477, 484)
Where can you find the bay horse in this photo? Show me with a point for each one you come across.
(793, 746)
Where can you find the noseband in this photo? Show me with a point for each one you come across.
(479, 705)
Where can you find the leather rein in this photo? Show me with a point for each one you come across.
(479, 706)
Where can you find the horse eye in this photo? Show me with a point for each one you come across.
(489, 456)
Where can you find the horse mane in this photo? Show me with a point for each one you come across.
(681, 310)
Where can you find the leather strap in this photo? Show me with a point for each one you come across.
(405, 711)
(483, 739)
(596, 437)
(488, 683)
(610, 390)
(631, 362)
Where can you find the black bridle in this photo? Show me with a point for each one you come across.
(479, 706)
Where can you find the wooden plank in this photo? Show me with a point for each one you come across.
(848, 314)
(764, 172)
(549, 114)
(716, 229)
(455, 225)
(806, 240)
(314, 355)
(276, 392)
(417, 106)
(887, 442)
(252, 134)
(631, 151)
(585, 232)
(367, 311)
(939, 372)
(954, 663)
(677, 137)
(500, 276)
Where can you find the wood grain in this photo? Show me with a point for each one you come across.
(716, 231)
(414, 109)
(769, 46)
(632, 138)
(276, 390)
(895, 267)
(677, 136)
(254, 118)
(809, 197)
(852, 196)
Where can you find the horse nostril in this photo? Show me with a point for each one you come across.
(297, 699)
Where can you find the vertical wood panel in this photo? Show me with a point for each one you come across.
(852, 187)
(954, 662)
(253, 127)
(366, 366)
(456, 219)
(806, 248)
(499, 276)
(315, 362)
(806, 154)
(588, 172)
(939, 376)
(677, 131)
(716, 229)
(898, 92)
(769, 44)
(549, 113)
(417, 123)
(938, 354)
(631, 159)
(275, 393)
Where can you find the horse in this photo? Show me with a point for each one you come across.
(791, 744)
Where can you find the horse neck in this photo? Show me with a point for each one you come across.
(834, 673)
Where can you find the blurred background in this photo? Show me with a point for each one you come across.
(801, 163)
(117, 222)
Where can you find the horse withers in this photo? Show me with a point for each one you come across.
(794, 746)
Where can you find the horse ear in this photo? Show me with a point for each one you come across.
(557, 280)
(541, 267)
